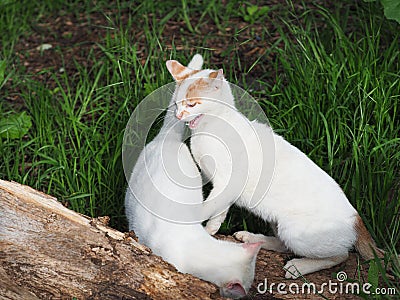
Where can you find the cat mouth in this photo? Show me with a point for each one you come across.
(193, 123)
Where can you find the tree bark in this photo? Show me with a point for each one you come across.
(50, 252)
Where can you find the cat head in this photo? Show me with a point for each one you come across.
(199, 92)
(240, 271)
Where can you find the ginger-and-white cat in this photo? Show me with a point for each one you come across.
(308, 210)
(187, 246)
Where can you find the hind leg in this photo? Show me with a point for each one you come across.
(269, 242)
(302, 266)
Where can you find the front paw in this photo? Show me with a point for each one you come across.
(212, 228)
(242, 236)
(293, 269)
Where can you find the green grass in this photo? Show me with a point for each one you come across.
(332, 90)
(338, 100)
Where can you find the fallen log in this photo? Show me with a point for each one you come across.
(50, 252)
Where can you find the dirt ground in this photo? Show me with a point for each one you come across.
(74, 36)
(330, 283)
(269, 270)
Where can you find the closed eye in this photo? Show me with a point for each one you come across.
(191, 104)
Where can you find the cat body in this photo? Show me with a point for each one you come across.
(310, 214)
(187, 246)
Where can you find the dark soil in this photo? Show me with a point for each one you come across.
(74, 39)
(269, 270)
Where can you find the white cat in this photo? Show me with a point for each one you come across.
(310, 213)
(187, 246)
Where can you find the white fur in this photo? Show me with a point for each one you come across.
(187, 246)
(196, 63)
(312, 214)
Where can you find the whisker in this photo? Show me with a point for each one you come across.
(170, 90)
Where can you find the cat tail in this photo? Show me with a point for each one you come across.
(196, 63)
(365, 244)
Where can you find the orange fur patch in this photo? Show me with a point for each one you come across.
(184, 76)
(194, 91)
(181, 72)
(213, 74)
(182, 114)
(364, 244)
(177, 68)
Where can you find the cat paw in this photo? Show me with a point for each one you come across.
(211, 228)
(293, 269)
(242, 236)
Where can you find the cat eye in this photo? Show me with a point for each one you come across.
(191, 104)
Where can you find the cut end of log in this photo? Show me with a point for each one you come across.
(48, 251)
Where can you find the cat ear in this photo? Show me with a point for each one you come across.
(252, 248)
(177, 70)
(219, 75)
(234, 289)
(196, 63)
